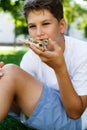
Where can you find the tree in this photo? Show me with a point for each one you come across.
(72, 10)
(15, 9)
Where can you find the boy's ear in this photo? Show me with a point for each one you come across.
(62, 26)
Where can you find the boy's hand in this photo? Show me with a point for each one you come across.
(53, 57)
(1, 65)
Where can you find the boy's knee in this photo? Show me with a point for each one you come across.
(10, 69)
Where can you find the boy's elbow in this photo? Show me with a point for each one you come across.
(74, 115)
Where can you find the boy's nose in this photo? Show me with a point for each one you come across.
(39, 32)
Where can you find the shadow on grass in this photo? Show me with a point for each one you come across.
(12, 124)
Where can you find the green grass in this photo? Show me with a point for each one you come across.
(12, 56)
(10, 123)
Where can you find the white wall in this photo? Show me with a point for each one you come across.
(6, 28)
(74, 32)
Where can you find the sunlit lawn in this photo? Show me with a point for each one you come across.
(12, 55)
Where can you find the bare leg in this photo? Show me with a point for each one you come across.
(18, 84)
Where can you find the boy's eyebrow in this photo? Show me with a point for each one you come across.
(47, 20)
(30, 24)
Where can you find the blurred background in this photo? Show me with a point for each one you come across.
(13, 24)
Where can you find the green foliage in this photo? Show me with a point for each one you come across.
(73, 11)
(85, 32)
(5, 5)
(21, 30)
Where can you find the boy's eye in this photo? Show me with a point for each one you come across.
(46, 23)
(32, 26)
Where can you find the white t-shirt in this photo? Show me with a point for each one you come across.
(76, 60)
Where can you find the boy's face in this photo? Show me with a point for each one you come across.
(43, 25)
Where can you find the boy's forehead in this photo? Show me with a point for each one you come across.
(39, 14)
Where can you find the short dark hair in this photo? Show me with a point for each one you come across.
(54, 6)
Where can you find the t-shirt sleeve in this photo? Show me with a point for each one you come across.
(29, 62)
(79, 79)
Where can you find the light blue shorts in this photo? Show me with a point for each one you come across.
(49, 114)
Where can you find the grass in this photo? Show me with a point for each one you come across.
(10, 123)
(12, 55)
